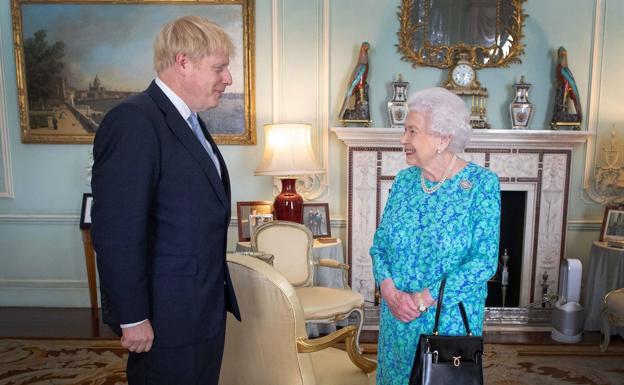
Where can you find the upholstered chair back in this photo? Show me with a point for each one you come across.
(291, 246)
(262, 349)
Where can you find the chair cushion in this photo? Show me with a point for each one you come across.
(615, 303)
(321, 303)
(333, 367)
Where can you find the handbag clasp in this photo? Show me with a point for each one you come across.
(456, 361)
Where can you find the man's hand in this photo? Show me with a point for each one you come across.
(400, 303)
(138, 338)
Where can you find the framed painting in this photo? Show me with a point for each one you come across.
(316, 218)
(612, 224)
(251, 214)
(75, 60)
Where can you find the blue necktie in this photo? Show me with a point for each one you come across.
(202, 139)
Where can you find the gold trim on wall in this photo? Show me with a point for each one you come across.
(47, 120)
(423, 56)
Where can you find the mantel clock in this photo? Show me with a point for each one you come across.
(462, 81)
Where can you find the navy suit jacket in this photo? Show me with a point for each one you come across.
(159, 223)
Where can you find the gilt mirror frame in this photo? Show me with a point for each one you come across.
(444, 56)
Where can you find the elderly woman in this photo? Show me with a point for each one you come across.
(441, 220)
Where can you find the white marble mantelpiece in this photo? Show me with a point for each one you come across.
(381, 137)
(535, 161)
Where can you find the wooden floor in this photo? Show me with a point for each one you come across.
(31, 322)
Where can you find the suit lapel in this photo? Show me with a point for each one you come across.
(225, 176)
(184, 134)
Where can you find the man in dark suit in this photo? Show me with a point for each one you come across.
(161, 212)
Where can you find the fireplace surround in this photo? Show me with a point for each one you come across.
(534, 161)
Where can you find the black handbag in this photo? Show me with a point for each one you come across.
(442, 360)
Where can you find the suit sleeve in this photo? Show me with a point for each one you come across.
(125, 174)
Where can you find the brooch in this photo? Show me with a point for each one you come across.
(465, 184)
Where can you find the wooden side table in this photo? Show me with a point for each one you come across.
(90, 264)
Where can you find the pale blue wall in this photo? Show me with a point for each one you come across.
(41, 257)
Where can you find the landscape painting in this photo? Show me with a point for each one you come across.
(77, 60)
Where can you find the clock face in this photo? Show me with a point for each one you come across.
(463, 75)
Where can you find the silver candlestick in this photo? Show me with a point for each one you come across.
(544, 284)
(504, 275)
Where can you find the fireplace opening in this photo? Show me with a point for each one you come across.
(513, 214)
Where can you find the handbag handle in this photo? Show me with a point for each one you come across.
(462, 310)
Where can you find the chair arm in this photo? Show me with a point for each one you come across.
(348, 334)
(326, 262)
(332, 263)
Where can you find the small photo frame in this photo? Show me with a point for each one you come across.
(612, 224)
(244, 211)
(258, 219)
(316, 218)
(85, 212)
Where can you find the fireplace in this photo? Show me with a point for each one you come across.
(504, 287)
(531, 164)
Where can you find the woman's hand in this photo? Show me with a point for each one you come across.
(400, 303)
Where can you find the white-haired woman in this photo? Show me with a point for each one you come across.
(441, 220)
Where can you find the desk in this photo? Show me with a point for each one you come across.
(323, 276)
(606, 273)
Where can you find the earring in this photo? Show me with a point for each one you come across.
(439, 150)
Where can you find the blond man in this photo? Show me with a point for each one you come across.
(161, 212)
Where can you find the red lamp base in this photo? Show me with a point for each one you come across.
(288, 205)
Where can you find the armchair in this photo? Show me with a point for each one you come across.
(270, 345)
(612, 314)
(291, 245)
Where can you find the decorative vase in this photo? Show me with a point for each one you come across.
(397, 106)
(520, 109)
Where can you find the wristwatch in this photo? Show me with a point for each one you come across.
(421, 305)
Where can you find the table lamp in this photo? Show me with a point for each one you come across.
(287, 153)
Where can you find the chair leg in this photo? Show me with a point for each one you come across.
(606, 331)
(360, 325)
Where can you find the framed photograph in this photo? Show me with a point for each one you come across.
(85, 212)
(75, 60)
(613, 224)
(258, 219)
(316, 218)
(246, 212)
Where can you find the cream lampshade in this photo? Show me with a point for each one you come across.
(288, 153)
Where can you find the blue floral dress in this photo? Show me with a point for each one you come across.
(422, 238)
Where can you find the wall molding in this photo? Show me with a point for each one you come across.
(7, 169)
(55, 284)
(311, 187)
(72, 219)
(335, 223)
(44, 293)
(595, 77)
(585, 225)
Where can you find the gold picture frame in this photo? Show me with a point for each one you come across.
(88, 55)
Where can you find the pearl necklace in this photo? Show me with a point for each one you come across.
(437, 186)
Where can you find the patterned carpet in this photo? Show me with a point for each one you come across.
(553, 365)
(102, 362)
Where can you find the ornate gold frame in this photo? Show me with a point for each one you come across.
(408, 29)
(248, 36)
